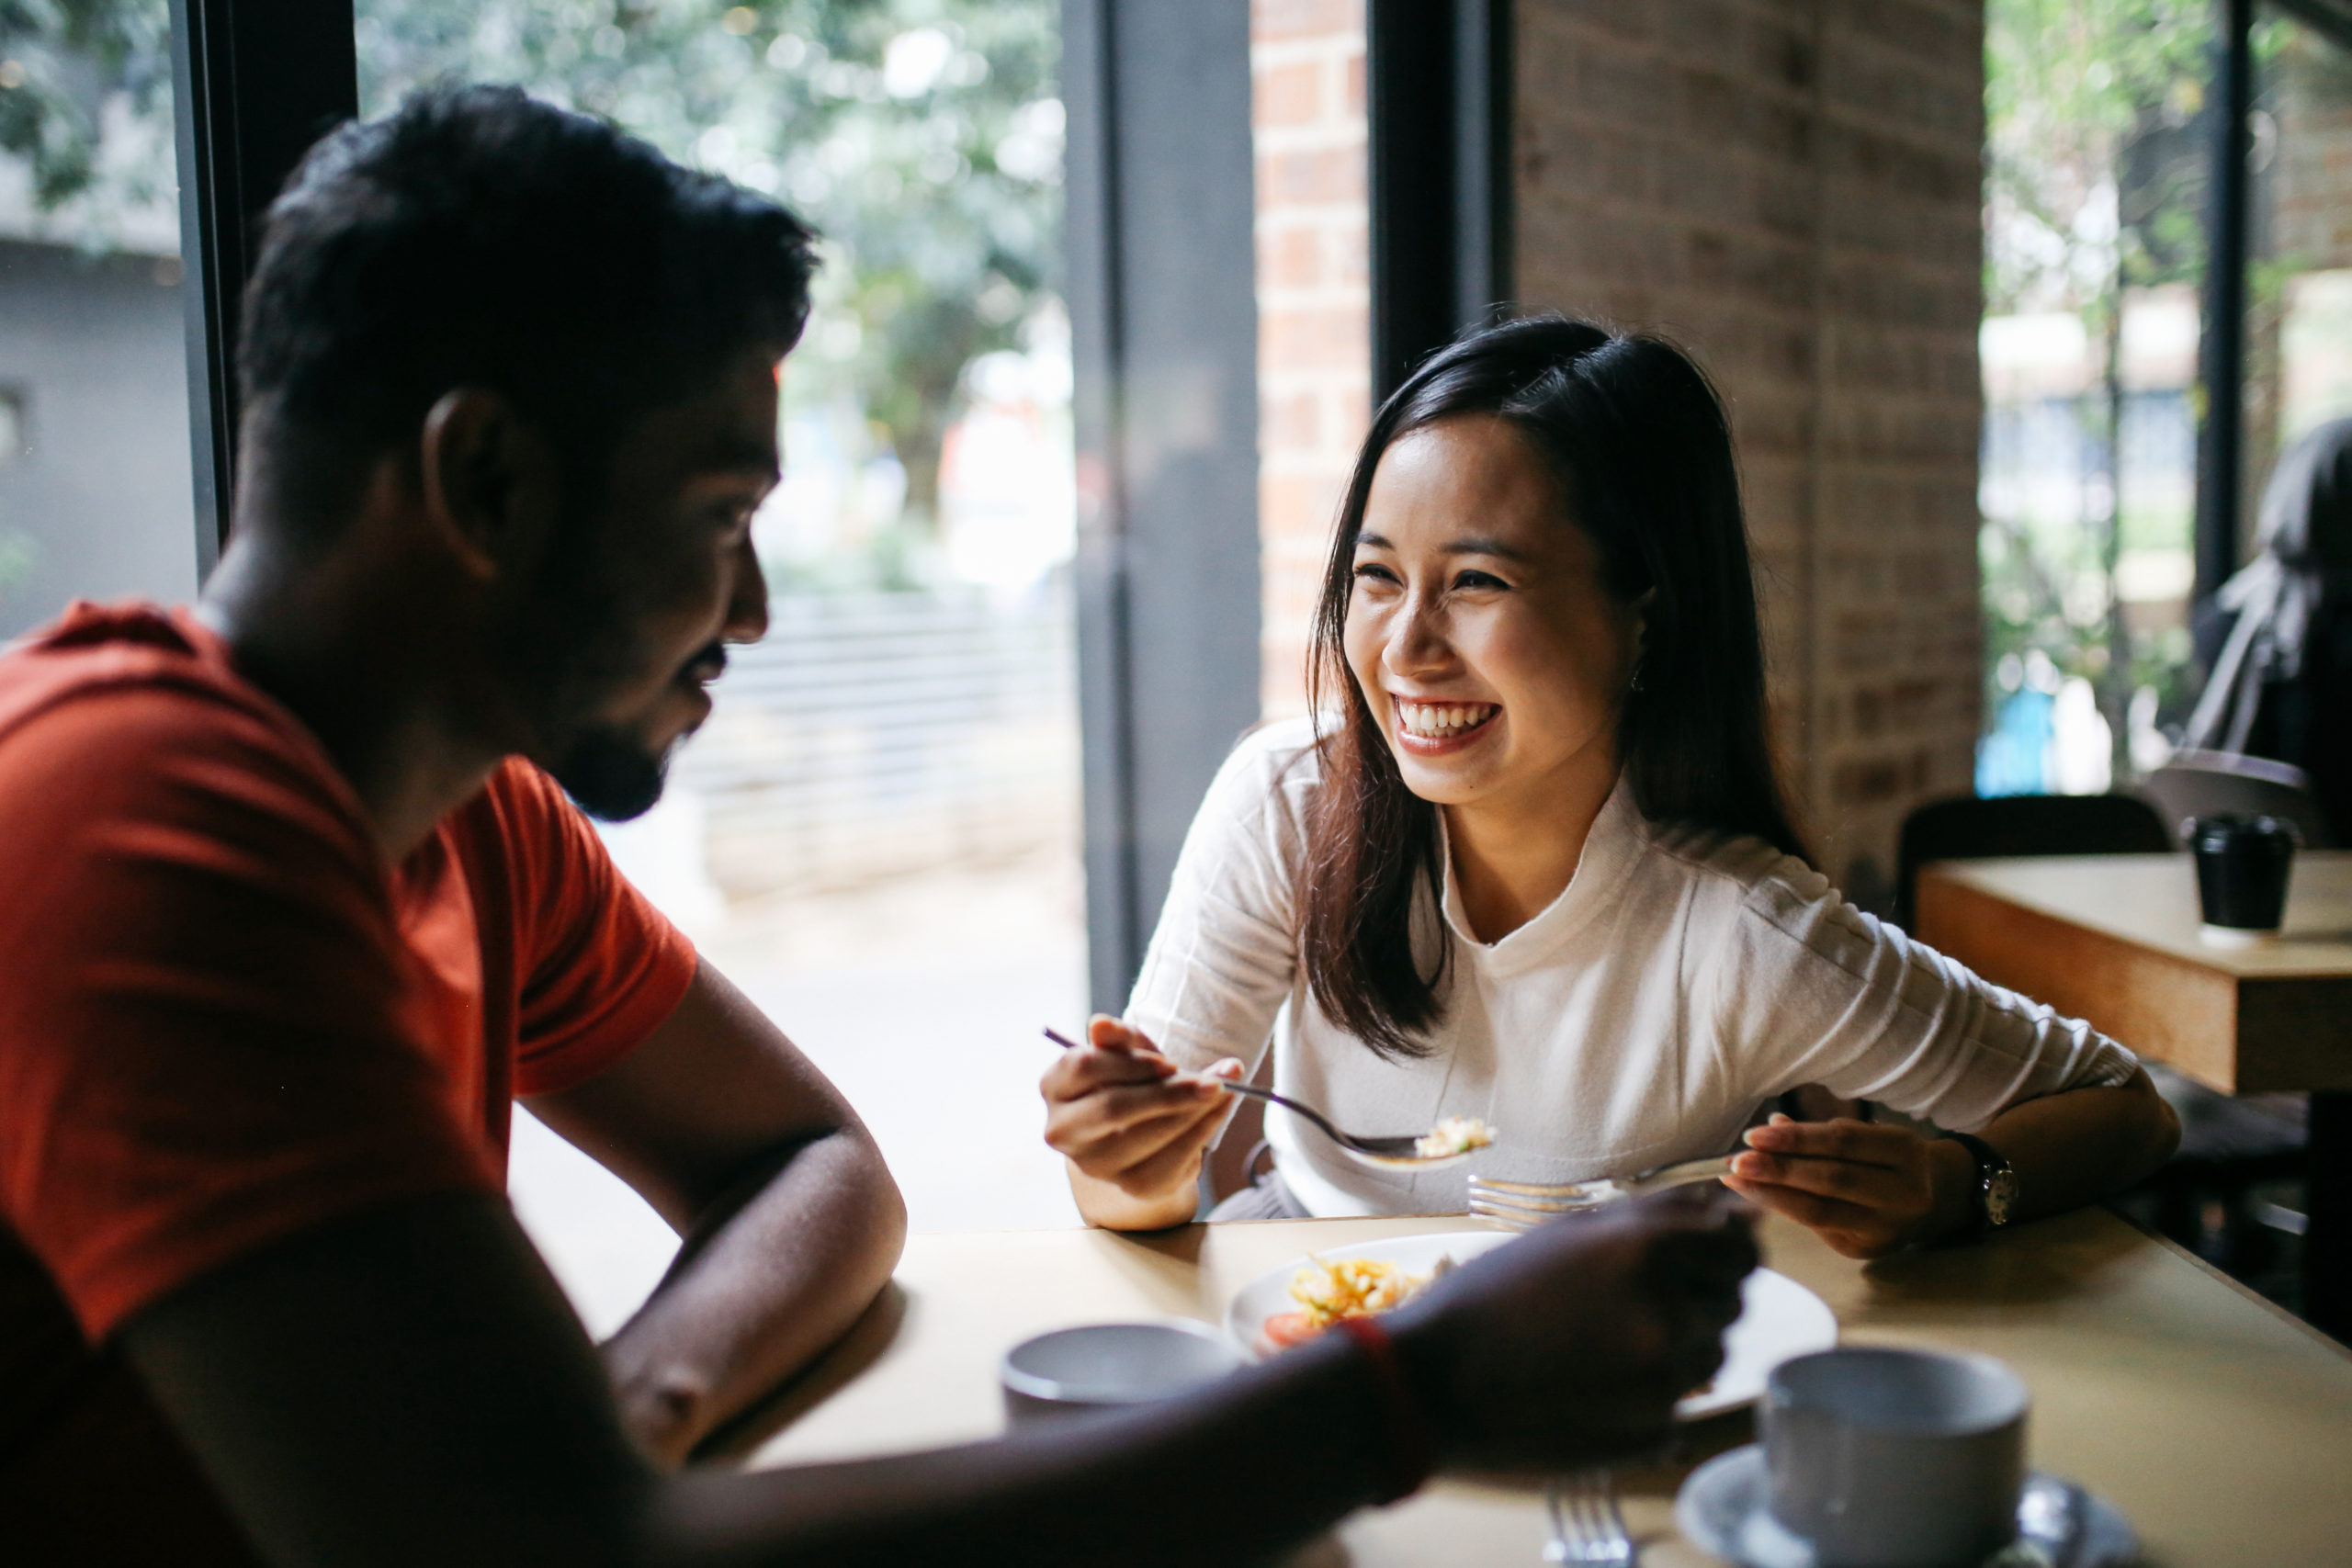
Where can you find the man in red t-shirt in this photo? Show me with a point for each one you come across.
(292, 905)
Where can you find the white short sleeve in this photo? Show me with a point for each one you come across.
(1224, 956)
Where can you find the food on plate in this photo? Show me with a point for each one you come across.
(1330, 1289)
(1453, 1135)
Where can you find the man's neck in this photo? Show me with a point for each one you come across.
(343, 648)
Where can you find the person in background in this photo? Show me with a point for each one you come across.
(296, 905)
(2282, 669)
(1528, 865)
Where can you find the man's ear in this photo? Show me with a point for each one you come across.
(490, 481)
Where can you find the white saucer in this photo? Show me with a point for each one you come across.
(1724, 1509)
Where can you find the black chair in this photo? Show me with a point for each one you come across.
(1970, 828)
(2227, 1147)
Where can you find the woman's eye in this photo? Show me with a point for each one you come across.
(1479, 580)
(1373, 571)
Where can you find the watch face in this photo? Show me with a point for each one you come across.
(2000, 1195)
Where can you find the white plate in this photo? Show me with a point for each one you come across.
(1778, 1318)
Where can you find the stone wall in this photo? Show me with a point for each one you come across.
(1790, 188)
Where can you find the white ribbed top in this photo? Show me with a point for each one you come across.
(1680, 979)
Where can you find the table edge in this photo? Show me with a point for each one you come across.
(2318, 1337)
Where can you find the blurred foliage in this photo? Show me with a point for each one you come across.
(2096, 167)
(81, 80)
(922, 138)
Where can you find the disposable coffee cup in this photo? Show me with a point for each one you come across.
(2242, 868)
(1895, 1459)
(1110, 1366)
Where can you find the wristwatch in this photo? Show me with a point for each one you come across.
(1997, 1185)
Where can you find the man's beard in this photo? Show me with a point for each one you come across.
(610, 776)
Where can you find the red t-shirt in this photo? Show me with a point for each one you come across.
(225, 1018)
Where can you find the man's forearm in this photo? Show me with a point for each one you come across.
(1286, 1448)
(769, 1277)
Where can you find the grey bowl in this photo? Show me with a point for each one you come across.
(1105, 1366)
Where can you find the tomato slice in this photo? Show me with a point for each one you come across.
(1289, 1328)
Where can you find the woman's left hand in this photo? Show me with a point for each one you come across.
(1866, 1190)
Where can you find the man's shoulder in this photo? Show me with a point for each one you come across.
(130, 709)
(96, 651)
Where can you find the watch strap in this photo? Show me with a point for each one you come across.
(1988, 1162)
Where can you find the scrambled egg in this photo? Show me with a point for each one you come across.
(1453, 1135)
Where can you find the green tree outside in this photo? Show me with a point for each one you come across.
(922, 138)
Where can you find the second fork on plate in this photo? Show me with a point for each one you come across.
(1527, 1203)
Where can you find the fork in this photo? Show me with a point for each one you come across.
(1525, 1204)
(1588, 1529)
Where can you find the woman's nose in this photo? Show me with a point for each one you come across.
(1416, 639)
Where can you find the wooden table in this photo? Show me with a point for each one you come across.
(2113, 939)
(2216, 1423)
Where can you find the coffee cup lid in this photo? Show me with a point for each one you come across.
(2216, 830)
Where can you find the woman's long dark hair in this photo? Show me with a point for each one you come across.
(1637, 439)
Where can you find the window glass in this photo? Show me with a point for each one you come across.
(94, 485)
(876, 833)
(2097, 136)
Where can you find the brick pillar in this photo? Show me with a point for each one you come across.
(1314, 306)
(1791, 191)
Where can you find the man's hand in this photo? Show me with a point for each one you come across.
(1572, 1344)
(1866, 1189)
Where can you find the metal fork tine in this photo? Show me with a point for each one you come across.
(1513, 1199)
(1588, 1525)
(1481, 1205)
(1531, 1189)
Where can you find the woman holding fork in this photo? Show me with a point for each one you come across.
(1531, 864)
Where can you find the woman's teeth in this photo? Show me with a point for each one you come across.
(1433, 721)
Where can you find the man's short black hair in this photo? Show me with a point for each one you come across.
(479, 238)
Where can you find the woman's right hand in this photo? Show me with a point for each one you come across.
(1133, 1125)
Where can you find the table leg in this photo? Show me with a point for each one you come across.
(2328, 1237)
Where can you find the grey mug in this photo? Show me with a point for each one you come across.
(1895, 1459)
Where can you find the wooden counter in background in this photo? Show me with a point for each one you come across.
(2113, 939)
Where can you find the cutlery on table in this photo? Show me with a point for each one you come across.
(1588, 1529)
(1529, 1204)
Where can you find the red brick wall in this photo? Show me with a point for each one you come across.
(1314, 306)
(1791, 189)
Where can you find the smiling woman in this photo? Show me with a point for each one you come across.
(1529, 863)
(1612, 641)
